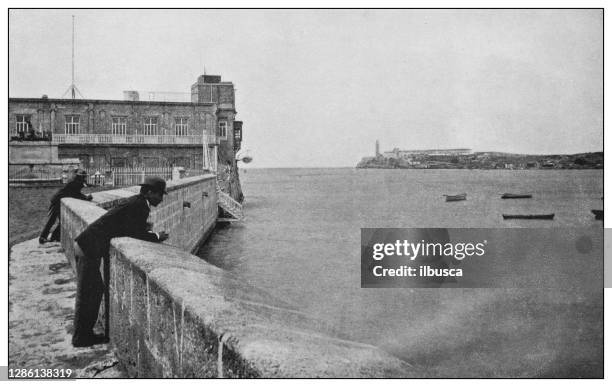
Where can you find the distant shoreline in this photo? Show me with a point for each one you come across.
(484, 161)
(423, 169)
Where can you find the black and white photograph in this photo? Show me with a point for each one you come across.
(357, 193)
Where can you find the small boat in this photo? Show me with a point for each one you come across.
(455, 198)
(598, 214)
(516, 196)
(543, 216)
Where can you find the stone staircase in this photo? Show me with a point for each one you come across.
(230, 206)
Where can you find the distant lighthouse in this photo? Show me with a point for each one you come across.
(377, 149)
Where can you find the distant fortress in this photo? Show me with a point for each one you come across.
(464, 158)
(408, 154)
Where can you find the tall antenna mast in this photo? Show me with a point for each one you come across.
(72, 58)
(73, 89)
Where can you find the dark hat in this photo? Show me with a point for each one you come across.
(156, 183)
(80, 172)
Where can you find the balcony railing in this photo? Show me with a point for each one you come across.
(135, 139)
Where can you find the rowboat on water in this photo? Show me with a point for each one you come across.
(455, 198)
(539, 216)
(598, 214)
(516, 196)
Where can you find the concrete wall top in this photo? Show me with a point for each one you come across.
(265, 335)
(113, 198)
(186, 226)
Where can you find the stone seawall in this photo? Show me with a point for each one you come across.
(174, 315)
(188, 213)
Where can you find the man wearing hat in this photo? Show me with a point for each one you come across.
(72, 189)
(127, 220)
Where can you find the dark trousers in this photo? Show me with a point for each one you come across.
(90, 288)
(53, 216)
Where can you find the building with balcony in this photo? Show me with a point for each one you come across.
(101, 134)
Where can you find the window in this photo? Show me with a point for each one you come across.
(85, 160)
(150, 126)
(72, 125)
(223, 130)
(23, 123)
(119, 162)
(181, 162)
(180, 126)
(151, 162)
(119, 126)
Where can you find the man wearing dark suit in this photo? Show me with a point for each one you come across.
(72, 189)
(129, 219)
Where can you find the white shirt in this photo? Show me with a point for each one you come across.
(149, 205)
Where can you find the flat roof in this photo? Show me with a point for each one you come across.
(224, 83)
(430, 150)
(119, 101)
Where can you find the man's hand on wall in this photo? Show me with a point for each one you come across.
(163, 236)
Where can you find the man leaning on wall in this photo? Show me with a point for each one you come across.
(127, 220)
(72, 189)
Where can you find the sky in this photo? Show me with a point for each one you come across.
(317, 88)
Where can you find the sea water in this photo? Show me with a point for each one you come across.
(300, 242)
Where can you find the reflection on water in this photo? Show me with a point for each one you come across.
(301, 243)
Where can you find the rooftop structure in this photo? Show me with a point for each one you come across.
(130, 132)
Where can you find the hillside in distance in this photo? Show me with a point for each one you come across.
(486, 160)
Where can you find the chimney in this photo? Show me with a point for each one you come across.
(130, 95)
(210, 89)
(209, 78)
(205, 90)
